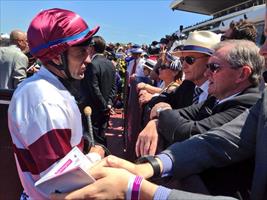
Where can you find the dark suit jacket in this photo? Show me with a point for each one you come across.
(179, 98)
(98, 86)
(181, 124)
(243, 138)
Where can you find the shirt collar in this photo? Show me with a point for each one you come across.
(97, 54)
(205, 86)
(203, 96)
(228, 98)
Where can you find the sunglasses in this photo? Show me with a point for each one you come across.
(190, 60)
(213, 67)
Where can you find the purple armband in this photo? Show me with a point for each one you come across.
(136, 188)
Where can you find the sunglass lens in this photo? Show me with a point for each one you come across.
(213, 66)
(190, 60)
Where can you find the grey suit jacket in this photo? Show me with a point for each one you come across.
(13, 65)
(240, 139)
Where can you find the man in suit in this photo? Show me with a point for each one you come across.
(194, 56)
(194, 89)
(98, 87)
(233, 86)
(237, 30)
(13, 62)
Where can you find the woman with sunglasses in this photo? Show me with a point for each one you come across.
(170, 72)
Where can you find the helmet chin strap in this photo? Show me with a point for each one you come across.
(67, 82)
(65, 64)
(63, 67)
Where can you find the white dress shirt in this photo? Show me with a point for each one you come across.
(204, 95)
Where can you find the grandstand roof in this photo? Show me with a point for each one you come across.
(208, 7)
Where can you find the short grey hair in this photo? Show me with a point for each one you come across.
(244, 52)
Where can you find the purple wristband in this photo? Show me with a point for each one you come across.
(136, 188)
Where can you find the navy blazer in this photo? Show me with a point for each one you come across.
(181, 124)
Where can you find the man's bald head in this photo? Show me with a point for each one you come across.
(19, 38)
(17, 35)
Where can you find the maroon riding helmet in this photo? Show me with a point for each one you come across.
(53, 31)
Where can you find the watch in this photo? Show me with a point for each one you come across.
(160, 109)
(153, 162)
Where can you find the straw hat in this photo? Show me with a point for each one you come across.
(200, 42)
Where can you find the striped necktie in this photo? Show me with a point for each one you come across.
(196, 95)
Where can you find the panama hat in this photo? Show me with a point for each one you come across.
(200, 42)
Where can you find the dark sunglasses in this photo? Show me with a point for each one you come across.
(190, 60)
(213, 67)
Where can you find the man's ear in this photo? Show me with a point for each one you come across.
(57, 60)
(246, 71)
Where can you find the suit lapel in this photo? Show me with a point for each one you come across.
(207, 108)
